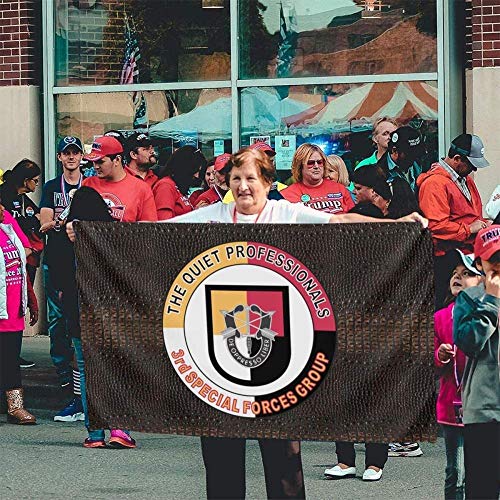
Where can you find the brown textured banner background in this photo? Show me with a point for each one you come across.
(379, 388)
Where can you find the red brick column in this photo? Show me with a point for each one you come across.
(17, 46)
(485, 33)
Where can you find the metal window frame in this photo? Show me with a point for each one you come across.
(447, 114)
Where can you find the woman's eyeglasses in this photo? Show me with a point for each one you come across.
(311, 163)
(36, 181)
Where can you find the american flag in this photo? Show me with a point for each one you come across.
(141, 113)
(130, 70)
(286, 50)
(130, 75)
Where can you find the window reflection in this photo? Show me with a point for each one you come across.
(179, 40)
(297, 38)
(175, 118)
(340, 118)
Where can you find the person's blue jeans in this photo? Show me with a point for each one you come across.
(454, 482)
(96, 435)
(61, 350)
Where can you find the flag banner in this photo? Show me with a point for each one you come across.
(286, 50)
(317, 332)
(141, 113)
(130, 74)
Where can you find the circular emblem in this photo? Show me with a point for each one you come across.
(394, 137)
(115, 206)
(249, 329)
(305, 198)
(69, 140)
(482, 151)
(30, 212)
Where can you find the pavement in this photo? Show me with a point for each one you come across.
(48, 460)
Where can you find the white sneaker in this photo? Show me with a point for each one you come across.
(337, 472)
(372, 475)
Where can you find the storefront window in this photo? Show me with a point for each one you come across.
(175, 118)
(177, 41)
(339, 118)
(299, 38)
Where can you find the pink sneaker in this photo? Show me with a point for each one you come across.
(90, 443)
(120, 439)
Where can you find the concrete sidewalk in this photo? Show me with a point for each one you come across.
(48, 460)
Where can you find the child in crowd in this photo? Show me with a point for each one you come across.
(451, 363)
(476, 333)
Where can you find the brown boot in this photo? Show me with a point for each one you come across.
(16, 414)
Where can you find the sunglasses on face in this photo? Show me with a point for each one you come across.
(311, 163)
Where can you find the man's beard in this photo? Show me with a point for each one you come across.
(149, 165)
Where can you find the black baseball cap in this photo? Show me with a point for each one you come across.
(117, 135)
(372, 177)
(138, 140)
(472, 147)
(408, 140)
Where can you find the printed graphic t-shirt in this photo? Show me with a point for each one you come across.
(330, 197)
(129, 200)
(54, 198)
(14, 279)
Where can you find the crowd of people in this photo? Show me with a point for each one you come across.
(126, 182)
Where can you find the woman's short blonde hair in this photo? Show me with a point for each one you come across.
(301, 156)
(337, 164)
(263, 163)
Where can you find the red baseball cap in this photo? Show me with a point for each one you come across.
(220, 161)
(487, 242)
(104, 146)
(263, 146)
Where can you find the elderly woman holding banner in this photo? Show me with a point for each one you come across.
(249, 175)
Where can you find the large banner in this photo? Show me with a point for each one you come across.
(319, 332)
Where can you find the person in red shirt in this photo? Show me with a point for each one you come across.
(129, 199)
(208, 176)
(311, 187)
(141, 158)
(179, 174)
(217, 192)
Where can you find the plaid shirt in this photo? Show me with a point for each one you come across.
(461, 182)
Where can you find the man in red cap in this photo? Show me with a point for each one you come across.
(476, 333)
(217, 192)
(128, 198)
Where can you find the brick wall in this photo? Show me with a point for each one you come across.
(94, 43)
(485, 23)
(468, 34)
(18, 42)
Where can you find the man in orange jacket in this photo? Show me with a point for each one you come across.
(449, 198)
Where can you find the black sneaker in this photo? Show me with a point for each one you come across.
(405, 450)
(26, 364)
